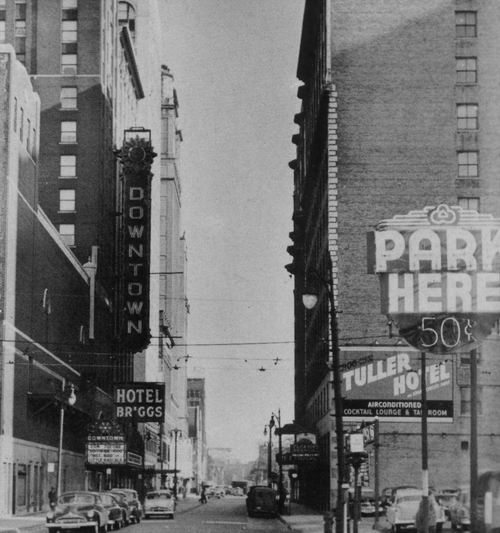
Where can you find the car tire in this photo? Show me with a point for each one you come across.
(439, 527)
(101, 529)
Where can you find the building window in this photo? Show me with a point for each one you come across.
(126, 17)
(69, 32)
(468, 203)
(466, 24)
(2, 26)
(67, 166)
(466, 70)
(20, 9)
(67, 233)
(468, 165)
(68, 64)
(68, 97)
(467, 116)
(20, 48)
(67, 199)
(20, 28)
(69, 9)
(68, 131)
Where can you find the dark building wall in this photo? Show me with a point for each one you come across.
(394, 72)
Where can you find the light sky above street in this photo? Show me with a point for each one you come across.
(234, 64)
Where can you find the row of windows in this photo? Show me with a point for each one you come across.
(468, 113)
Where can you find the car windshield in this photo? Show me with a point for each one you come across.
(76, 498)
(158, 496)
(409, 498)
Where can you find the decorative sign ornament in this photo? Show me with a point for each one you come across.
(439, 269)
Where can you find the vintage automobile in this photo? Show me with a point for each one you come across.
(261, 500)
(121, 499)
(402, 511)
(446, 498)
(78, 510)
(159, 503)
(460, 511)
(133, 502)
(115, 512)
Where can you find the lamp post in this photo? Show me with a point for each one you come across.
(309, 300)
(70, 400)
(176, 432)
(269, 449)
(280, 462)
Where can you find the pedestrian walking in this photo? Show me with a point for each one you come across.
(431, 515)
(203, 498)
(52, 496)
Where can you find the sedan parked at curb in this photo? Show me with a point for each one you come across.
(81, 510)
(115, 512)
(133, 502)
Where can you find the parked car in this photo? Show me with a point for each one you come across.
(133, 502)
(219, 492)
(460, 511)
(122, 502)
(159, 503)
(402, 511)
(115, 512)
(446, 498)
(77, 510)
(261, 500)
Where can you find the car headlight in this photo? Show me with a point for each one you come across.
(90, 515)
(50, 517)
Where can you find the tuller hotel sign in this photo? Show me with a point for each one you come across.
(439, 270)
(136, 157)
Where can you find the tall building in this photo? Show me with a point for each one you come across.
(45, 317)
(96, 66)
(197, 429)
(397, 113)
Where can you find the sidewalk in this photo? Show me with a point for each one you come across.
(305, 520)
(35, 523)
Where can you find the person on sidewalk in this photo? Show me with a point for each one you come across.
(431, 514)
(52, 497)
(203, 498)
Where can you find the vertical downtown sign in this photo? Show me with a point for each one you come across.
(136, 158)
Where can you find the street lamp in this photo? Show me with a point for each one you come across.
(269, 449)
(310, 299)
(70, 400)
(176, 432)
(280, 462)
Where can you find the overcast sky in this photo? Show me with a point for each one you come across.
(234, 63)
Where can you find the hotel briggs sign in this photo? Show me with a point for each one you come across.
(140, 401)
(136, 158)
(439, 269)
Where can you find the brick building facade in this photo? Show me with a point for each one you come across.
(398, 112)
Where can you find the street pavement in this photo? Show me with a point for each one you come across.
(306, 520)
(298, 518)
